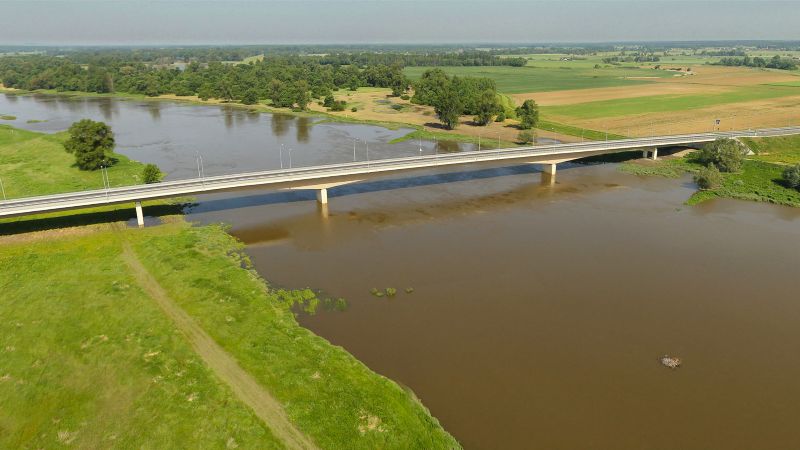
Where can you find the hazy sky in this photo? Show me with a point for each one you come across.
(112, 22)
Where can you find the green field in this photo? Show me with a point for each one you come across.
(515, 80)
(89, 360)
(667, 103)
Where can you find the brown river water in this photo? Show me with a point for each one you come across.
(539, 311)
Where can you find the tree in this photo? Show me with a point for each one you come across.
(708, 177)
(487, 107)
(250, 97)
(726, 154)
(792, 176)
(90, 141)
(448, 107)
(151, 174)
(528, 114)
(301, 95)
(328, 102)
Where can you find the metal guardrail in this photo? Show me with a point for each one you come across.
(191, 186)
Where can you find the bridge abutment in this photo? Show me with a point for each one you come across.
(139, 215)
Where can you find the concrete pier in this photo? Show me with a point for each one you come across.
(322, 196)
(139, 215)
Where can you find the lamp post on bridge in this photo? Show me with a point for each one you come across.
(281, 155)
(2, 188)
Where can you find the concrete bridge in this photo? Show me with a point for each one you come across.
(321, 178)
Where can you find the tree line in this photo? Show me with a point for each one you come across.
(288, 81)
(776, 62)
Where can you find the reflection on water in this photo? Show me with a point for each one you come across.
(230, 139)
(539, 311)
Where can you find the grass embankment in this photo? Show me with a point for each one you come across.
(758, 180)
(89, 359)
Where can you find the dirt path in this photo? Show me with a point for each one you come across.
(266, 407)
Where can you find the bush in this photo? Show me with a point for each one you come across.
(353, 109)
(151, 174)
(525, 137)
(726, 154)
(792, 176)
(708, 177)
(501, 116)
(404, 97)
(328, 102)
(338, 105)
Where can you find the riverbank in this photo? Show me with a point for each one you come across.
(758, 180)
(91, 358)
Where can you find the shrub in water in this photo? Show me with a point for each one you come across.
(708, 177)
(391, 292)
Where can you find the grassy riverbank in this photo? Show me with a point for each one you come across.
(758, 180)
(92, 359)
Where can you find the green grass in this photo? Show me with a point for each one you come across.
(757, 181)
(36, 164)
(665, 103)
(515, 80)
(570, 130)
(326, 391)
(89, 361)
(7, 117)
(96, 361)
(782, 150)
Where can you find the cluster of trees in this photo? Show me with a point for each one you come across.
(722, 155)
(724, 52)
(776, 62)
(452, 97)
(461, 58)
(288, 81)
(638, 57)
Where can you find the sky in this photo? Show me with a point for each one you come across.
(153, 22)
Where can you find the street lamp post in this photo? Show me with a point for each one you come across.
(354, 149)
(281, 155)
(3, 189)
(290, 157)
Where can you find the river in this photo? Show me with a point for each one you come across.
(539, 311)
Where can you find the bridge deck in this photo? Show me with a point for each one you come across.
(316, 176)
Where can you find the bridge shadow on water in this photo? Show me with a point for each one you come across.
(246, 198)
(270, 198)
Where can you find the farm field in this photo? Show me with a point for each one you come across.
(514, 80)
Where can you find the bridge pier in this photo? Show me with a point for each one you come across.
(652, 154)
(549, 168)
(139, 214)
(322, 196)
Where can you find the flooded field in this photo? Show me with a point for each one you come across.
(539, 312)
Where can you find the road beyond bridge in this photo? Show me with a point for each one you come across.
(321, 178)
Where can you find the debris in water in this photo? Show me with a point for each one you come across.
(673, 362)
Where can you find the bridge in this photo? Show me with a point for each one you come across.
(322, 178)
